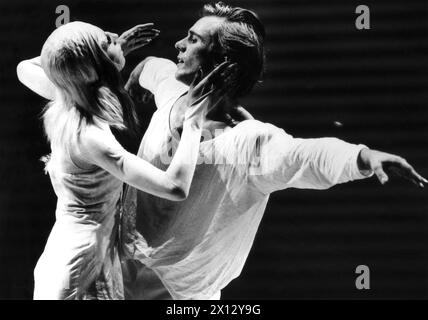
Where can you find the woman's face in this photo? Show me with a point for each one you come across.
(114, 50)
(108, 42)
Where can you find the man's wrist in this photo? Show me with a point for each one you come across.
(362, 162)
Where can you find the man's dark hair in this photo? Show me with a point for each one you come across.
(241, 39)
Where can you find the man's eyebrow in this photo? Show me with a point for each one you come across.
(193, 33)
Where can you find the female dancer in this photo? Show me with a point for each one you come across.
(87, 165)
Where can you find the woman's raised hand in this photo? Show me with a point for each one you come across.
(137, 37)
(206, 93)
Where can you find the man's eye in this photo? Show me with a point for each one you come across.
(192, 39)
(108, 39)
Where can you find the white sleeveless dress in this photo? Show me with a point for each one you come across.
(80, 260)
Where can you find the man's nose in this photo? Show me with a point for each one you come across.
(180, 46)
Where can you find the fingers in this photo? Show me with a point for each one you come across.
(144, 26)
(228, 77)
(380, 174)
(402, 168)
(146, 33)
(226, 72)
(416, 175)
(229, 72)
(399, 172)
(221, 77)
(140, 31)
(140, 44)
(211, 88)
(137, 37)
(138, 28)
(215, 94)
(210, 78)
(417, 178)
(223, 85)
(196, 79)
(141, 36)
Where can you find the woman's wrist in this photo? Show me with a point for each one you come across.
(192, 123)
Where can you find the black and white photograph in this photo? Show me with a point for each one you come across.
(227, 150)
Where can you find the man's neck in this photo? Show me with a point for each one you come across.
(224, 116)
(221, 116)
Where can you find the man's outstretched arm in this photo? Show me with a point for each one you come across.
(287, 162)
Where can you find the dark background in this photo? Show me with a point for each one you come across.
(321, 69)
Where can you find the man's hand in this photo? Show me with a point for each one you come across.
(137, 37)
(380, 162)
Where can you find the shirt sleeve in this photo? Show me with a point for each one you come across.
(280, 161)
(158, 76)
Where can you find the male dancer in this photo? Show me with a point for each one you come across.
(194, 248)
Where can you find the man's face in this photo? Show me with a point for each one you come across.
(195, 50)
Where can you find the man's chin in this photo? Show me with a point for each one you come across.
(184, 78)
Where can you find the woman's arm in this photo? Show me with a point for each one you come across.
(31, 74)
(98, 146)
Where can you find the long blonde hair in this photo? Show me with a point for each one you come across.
(89, 84)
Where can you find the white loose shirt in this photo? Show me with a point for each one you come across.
(197, 246)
